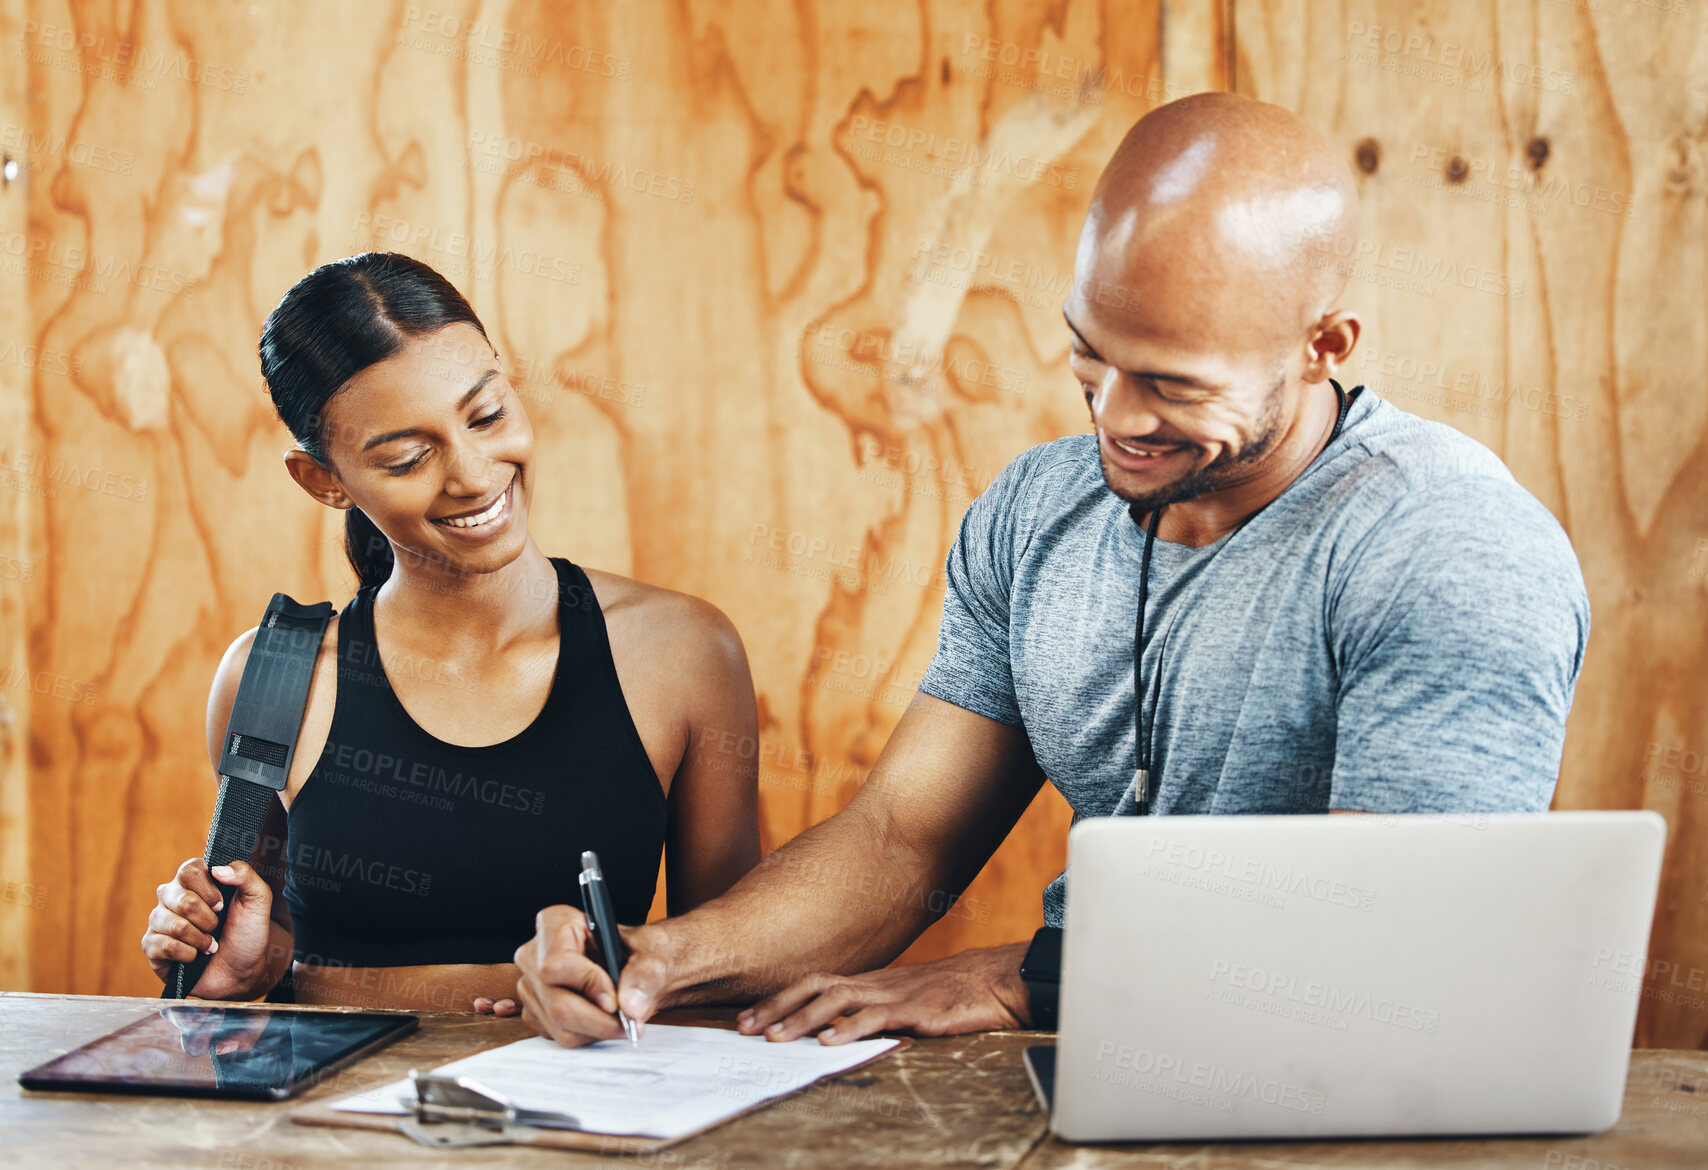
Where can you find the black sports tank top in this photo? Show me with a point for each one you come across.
(404, 849)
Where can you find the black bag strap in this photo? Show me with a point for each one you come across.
(260, 741)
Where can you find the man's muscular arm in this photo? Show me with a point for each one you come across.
(847, 895)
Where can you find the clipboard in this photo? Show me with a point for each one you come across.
(452, 1113)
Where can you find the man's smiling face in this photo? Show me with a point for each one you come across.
(1165, 435)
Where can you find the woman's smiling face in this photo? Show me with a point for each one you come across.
(433, 445)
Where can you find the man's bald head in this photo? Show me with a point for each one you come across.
(1204, 301)
(1224, 206)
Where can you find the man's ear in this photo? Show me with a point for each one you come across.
(318, 481)
(1331, 344)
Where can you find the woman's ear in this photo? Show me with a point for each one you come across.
(318, 481)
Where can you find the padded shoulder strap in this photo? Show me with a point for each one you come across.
(260, 742)
(260, 738)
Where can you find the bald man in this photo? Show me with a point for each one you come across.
(1344, 608)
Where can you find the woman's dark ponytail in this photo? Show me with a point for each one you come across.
(334, 323)
(367, 547)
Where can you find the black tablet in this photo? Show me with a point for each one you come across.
(208, 1050)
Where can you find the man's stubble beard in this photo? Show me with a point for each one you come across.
(1223, 472)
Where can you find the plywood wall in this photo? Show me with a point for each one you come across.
(781, 284)
(20, 886)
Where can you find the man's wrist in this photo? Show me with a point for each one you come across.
(1040, 975)
(1010, 989)
(694, 967)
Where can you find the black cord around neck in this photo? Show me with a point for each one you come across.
(1144, 727)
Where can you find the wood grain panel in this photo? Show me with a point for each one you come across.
(779, 284)
(19, 889)
(1531, 269)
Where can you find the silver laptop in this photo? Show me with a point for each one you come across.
(1317, 976)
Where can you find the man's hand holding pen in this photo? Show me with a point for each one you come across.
(568, 995)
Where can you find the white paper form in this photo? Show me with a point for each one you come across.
(679, 1080)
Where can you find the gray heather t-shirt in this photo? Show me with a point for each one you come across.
(1400, 631)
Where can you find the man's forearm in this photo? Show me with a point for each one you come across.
(850, 894)
(843, 896)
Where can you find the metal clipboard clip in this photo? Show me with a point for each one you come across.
(453, 1112)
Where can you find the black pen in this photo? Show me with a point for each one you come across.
(602, 921)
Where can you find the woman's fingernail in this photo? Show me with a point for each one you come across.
(219, 905)
(223, 872)
(213, 946)
(827, 1034)
(634, 1003)
(777, 1027)
(606, 1002)
(744, 1019)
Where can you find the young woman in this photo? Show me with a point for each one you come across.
(480, 713)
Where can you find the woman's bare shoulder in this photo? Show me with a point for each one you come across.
(665, 616)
